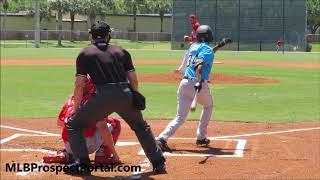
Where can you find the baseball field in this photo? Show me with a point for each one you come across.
(266, 121)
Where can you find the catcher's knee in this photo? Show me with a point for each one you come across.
(115, 126)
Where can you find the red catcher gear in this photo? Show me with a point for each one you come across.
(67, 109)
(104, 154)
(61, 158)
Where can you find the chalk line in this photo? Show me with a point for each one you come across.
(9, 138)
(254, 134)
(27, 130)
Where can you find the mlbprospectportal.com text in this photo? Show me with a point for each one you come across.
(34, 167)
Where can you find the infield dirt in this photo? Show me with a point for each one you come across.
(281, 155)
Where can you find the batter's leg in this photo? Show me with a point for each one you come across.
(185, 97)
(204, 98)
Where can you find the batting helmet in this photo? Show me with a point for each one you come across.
(100, 30)
(204, 31)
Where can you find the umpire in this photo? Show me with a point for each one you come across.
(112, 72)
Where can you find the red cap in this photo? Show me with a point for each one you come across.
(192, 16)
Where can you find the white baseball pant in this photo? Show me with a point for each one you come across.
(186, 93)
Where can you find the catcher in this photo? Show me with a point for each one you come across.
(100, 138)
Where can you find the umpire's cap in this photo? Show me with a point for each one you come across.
(204, 31)
(100, 30)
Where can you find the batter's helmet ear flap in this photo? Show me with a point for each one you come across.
(204, 32)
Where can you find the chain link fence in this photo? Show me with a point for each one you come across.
(252, 24)
(135, 40)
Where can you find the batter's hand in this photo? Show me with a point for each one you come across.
(224, 41)
(198, 86)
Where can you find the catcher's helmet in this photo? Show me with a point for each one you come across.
(204, 31)
(100, 30)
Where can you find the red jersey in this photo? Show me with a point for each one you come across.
(67, 109)
(193, 31)
(65, 114)
(280, 42)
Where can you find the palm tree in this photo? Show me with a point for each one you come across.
(160, 6)
(73, 7)
(45, 10)
(91, 8)
(133, 6)
(313, 20)
(58, 5)
(109, 7)
(5, 6)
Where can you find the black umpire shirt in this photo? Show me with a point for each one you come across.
(113, 60)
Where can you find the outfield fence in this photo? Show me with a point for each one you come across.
(133, 40)
(25, 38)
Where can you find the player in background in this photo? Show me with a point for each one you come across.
(100, 138)
(191, 39)
(279, 43)
(194, 26)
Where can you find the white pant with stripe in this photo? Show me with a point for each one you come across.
(186, 94)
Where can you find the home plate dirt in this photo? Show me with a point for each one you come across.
(237, 151)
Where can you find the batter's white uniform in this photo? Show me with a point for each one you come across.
(198, 53)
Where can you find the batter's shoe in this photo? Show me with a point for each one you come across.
(62, 158)
(203, 142)
(163, 145)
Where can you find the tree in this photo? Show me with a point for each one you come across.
(45, 10)
(133, 6)
(109, 7)
(73, 7)
(313, 20)
(160, 6)
(58, 5)
(5, 6)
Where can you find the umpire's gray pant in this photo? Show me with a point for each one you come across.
(111, 98)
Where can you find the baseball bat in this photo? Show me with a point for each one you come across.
(193, 106)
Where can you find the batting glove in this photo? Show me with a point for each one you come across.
(198, 86)
(224, 41)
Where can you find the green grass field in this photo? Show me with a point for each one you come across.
(315, 47)
(40, 91)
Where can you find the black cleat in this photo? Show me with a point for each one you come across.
(163, 145)
(78, 169)
(160, 168)
(203, 142)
